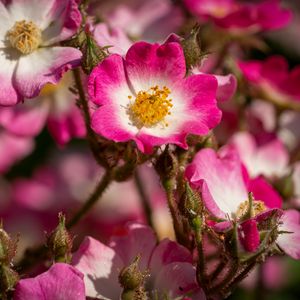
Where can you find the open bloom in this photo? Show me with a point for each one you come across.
(29, 55)
(224, 188)
(147, 98)
(240, 17)
(61, 281)
(169, 265)
(272, 79)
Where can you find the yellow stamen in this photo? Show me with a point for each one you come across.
(150, 107)
(25, 36)
(257, 208)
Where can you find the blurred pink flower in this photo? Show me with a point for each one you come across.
(29, 61)
(61, 281)
(241, 17)
(169, 265)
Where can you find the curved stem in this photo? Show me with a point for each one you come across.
(100, 188)
(144, 198)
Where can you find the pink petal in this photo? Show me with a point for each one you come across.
(101, 267)
(61, 281)
(45, 65)
(167, 252)
(249, 235)
(290, 242)
(224, 186)
(138, 240)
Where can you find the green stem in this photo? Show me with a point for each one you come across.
(95, 196)
(144, 198)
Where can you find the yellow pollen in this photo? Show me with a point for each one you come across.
(25, 36)
(150, 107)
(257, 208)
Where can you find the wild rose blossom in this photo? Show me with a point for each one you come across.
(209, 171)
(29, 55)
(241, 17)
(124, 88)
(168, 264)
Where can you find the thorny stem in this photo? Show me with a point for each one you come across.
(144, 197)
(100, 188)
(83, 103)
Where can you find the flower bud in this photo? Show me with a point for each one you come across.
(8, 279)
(131, 278)
(8, 247)
(60, 241)
(192, 48)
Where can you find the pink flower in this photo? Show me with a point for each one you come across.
(55, 106)
(169, 264)
(238, 17)
(123, 89)
(115, 38)
(61, 281)
(29, 57)
(148, 20)
(224, 189)
(273, 78)
(289, 239)
(259, 158)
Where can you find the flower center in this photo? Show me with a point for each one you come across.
(150, 107)
(257, 208)
(25, 36)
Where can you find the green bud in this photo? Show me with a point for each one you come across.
(60, 241)
(131, 278)
(8, 278)
(8, 247)
(192, 48)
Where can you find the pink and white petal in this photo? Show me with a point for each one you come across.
(290, 242)
(107, 83)
(178, 279)
(263, 191)
(8, 94)
(25, 119)
(101, 266)
(64, 19)
(6, 23)
(215, 171)
(138, 240)
(64, 127)
(107, 123)
(45, 65)
(226, 87)
(114, 37)
(296, 179)
(167, 252)
(61, 281)
(31, 10)
(12, 149)
(147, 64)
(249, 235)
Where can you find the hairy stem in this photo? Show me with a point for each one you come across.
(144, 198)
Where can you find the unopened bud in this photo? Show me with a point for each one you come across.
(60, 241)
(192, 48)
(8, 278)
(8, 247)
(131, 277)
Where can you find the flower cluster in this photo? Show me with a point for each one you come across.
(164, 137)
